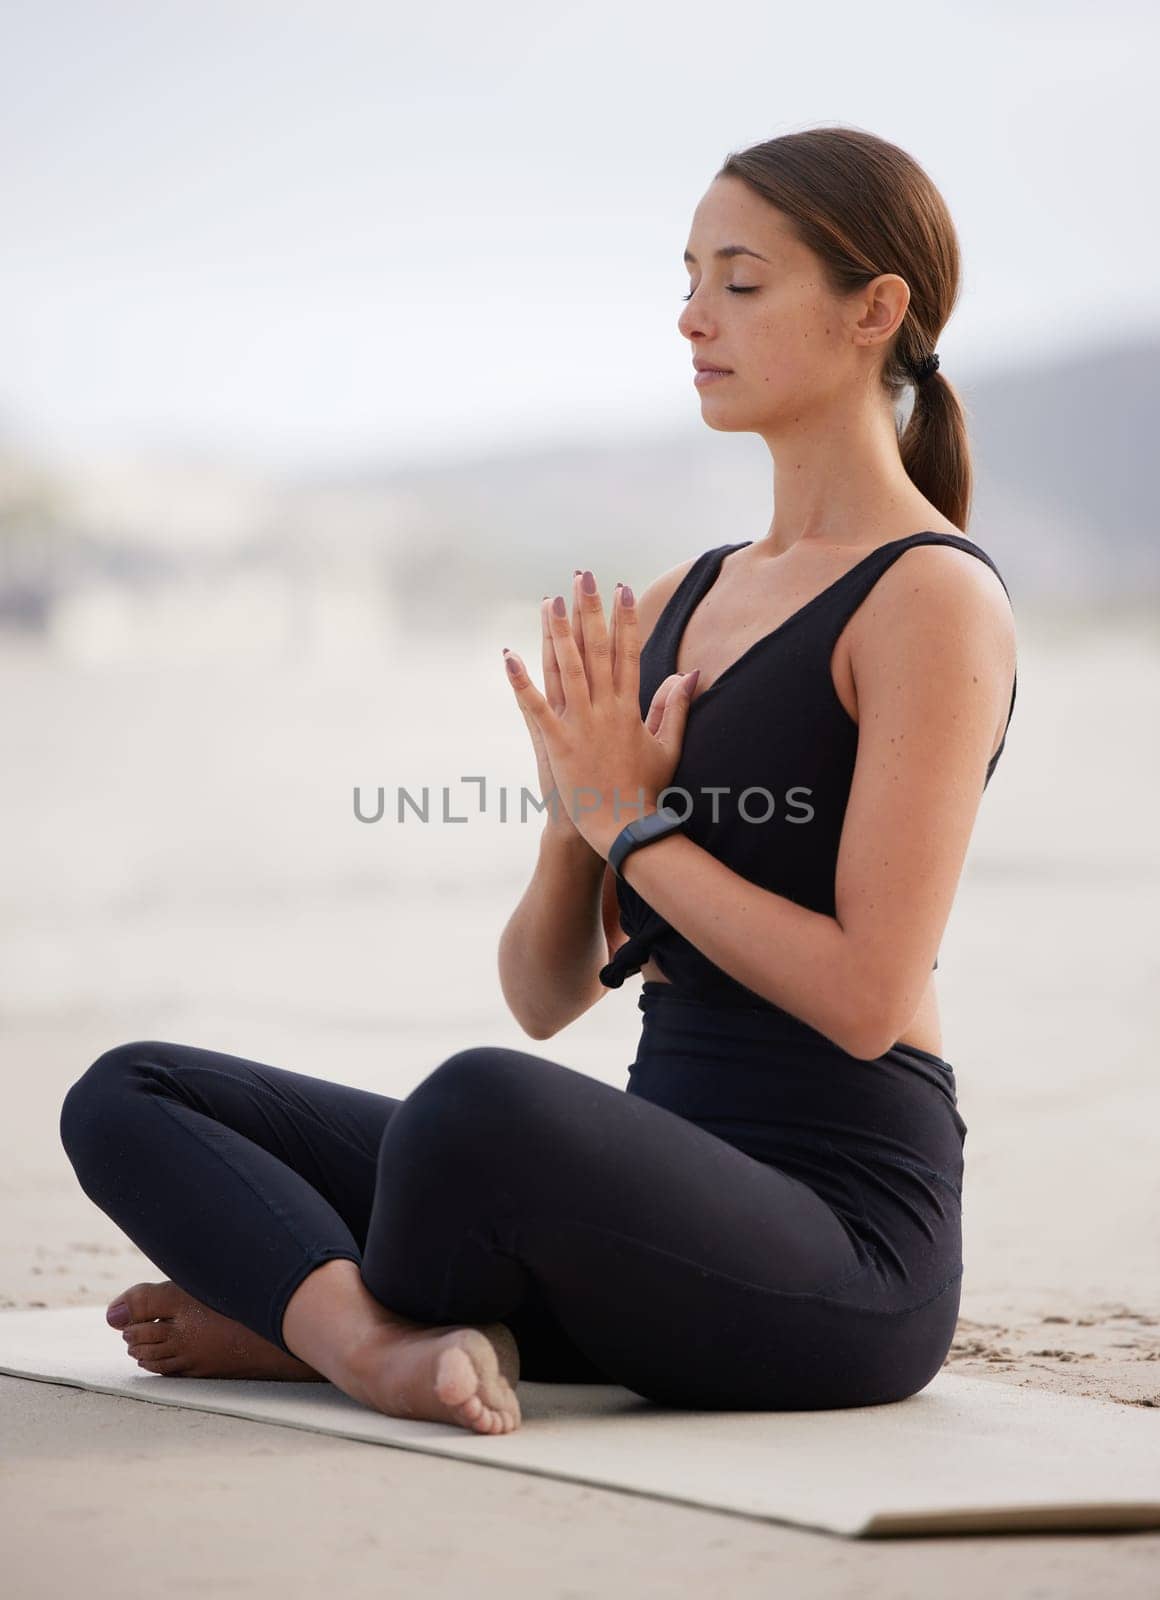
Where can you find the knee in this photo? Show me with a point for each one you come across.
(98, 1088)
(498, 1107)
(482, 1092)
(467, 1079)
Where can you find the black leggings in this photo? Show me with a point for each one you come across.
(761, 1221)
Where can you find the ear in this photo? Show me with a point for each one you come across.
(880, 308)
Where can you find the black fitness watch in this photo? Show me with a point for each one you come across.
(643, 830)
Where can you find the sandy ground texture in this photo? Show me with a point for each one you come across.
(180, 860)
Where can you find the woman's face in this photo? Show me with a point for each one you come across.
(787, 340)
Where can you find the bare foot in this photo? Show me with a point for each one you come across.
(171, 1333)
(461, 1375)
(465, 1376)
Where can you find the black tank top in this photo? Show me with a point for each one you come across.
(799, 770)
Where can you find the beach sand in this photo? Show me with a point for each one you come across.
(181, 861)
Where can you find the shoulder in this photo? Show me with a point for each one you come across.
(653, 600)
(936, 586)
(941, 612)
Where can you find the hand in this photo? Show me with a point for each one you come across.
(558, 820)
(608, 765)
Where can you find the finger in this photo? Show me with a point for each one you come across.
(573, 673)
(577, 618)
(553, 684)
(676, 712)
(626, 660)
(597, 657)
(531, 701)
(612, 629)
(660, 700)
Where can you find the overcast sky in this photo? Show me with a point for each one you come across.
(331, 232)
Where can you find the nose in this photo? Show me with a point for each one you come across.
(692, 319)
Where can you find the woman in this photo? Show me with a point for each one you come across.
(769, 1217)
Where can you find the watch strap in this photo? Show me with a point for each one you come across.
(643, 830)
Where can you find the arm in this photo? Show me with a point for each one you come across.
(932, 667)
(553, 943)
(567, 924)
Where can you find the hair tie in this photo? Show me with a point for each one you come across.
(925, 369)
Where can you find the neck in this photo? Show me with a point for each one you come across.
(838, 480)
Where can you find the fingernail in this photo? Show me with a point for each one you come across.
(118, 1315)
(626, 595)
(691, 678)
(512, 665)
(588, 582)
(559, 607)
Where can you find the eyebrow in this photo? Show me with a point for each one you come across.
(728, 250)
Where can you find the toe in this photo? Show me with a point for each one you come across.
(143, 1302)
(163, 1366)
(155, 1349)
(147, 1332)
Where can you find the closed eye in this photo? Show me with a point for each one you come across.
(733, 288)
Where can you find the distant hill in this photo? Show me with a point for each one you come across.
(1066, 501)
(1061, 485)
(1062, 502)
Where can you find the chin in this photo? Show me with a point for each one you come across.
(725, 422)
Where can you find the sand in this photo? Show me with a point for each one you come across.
(180, 860)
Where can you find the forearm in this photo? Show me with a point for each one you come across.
(800, 960)
(553, 944)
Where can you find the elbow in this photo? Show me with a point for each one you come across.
(532, 1023)
(867, 1043)
(514, 993)
(877, 1030)
(535, 1027)
(872, 1024)
(541, 1027)
(536, 1030)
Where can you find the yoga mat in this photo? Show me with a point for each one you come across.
(964, 1456)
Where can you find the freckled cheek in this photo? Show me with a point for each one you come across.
(791, 328)
(772, 336)
(789, 346)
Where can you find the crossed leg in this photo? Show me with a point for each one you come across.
(611, 1240)
(247, 1183)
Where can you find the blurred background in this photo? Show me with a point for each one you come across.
(332, 337)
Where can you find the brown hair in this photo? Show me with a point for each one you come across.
(865, 207)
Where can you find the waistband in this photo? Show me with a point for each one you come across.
(738, 1035)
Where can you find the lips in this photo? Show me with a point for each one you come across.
(707, 366)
